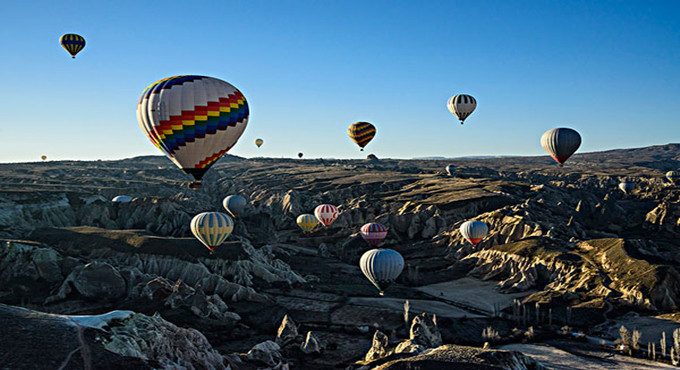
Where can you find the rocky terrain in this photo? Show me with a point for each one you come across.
(86, 283)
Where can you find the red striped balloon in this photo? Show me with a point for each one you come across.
(374, 233)
(326, 214)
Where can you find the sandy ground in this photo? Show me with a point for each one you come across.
(554, 358)
(474, 293)
(440, 309)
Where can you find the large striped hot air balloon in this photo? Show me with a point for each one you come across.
(212, 228)
(326, 214)
(462, 106)
(474, 231)
(561, 143)
(307, 222)
(194, 120)
(72, 43)
(373, 233)
(234, 204)
(361, 133)
(381, 267)
(673, 176)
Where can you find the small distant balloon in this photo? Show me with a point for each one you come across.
(326, 214)
(43, 157)
(381, 267)
(212, 228)
(561, 143)
(374, 233)
(673, 176)
(259, 142)
(300, 155)
(627, 186)
(361, 133)
(234, 204)
(72, 43)
(122, 199)
(474, 231)
(451, 169)
(307, 222)
(461, 106)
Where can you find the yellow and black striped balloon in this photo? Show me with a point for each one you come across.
(72, 43)
(361, 132)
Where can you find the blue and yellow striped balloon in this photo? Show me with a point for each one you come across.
(673, 176)
(212, 228)
(72, 43)
(307, 222)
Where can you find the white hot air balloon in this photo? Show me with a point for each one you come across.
(450, 170)
(122, 199)
(561, 143)
(234, 204)
(462, 106)
(627, 186)
(212, 228)
(474, 231)
(381, 267)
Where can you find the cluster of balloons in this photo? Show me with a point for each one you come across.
(213, 228)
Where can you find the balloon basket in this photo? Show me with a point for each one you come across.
(195, 185)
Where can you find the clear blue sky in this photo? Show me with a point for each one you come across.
(610, 69)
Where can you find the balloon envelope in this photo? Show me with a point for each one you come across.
(259, 142)
(461, 106)
(212, 228)
(474, 231)
(44, 157)
(561, 143)
(627, 186)
(234, 204)
(300, 155)
(122, 199)
(72, 43)
(361, 133)
(673, 176)
(373, 233)
(307, 222)
(194, 120)
(381, 267)
(326, 214)
(450, 169)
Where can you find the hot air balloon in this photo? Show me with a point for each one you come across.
(122, 199)
(72, 43)
(234, 204)
(461, 106)
(673, 176)
(451, 169)
(326, 214)
(43, 157)
(561, 143)
(626, 186)
(194, 120)
(381, 267)
(259, 142)
(373, 233)
(361, 133)
(307, 222)
(300, 155)
(212, 228)
(474, 231)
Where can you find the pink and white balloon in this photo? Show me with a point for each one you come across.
(374, 233)
(326, 214)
